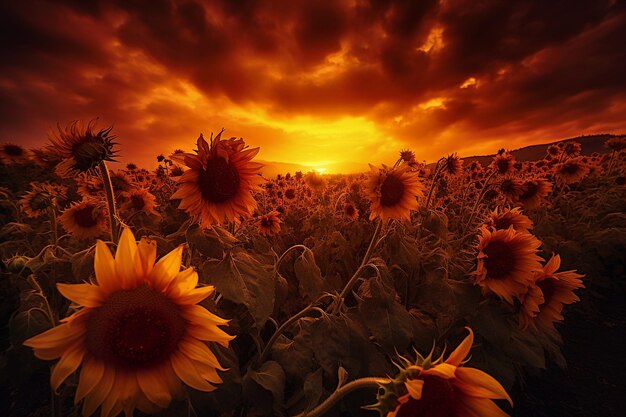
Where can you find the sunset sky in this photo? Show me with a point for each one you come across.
(326, 83)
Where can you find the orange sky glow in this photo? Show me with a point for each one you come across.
(328, 85)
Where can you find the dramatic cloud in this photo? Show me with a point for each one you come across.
(325, 83)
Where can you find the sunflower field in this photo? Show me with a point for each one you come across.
(203, 288)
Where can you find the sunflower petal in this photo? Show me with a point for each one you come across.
(125, 259)
(461, 352)
(477, 383)
(154, 387)
(90, 376)
(70, 361)
(104, 265)
(188, 373)
(87, 295)
(414, 387)
(100, 392)
(166, 269)
(146, 255)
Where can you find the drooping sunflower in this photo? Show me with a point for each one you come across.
(220, 180)
(85, 219)
(503, 162)
(452, 165)
(535, 193)
(507, 261)
(551, 290)
(269, 224)
(503, 219)
(138, 335)
(142, 200)
(407, 156)
(41, 197)
(81, 148)
(449, 389)
(12, 153)
(571, 171)
(393, 192)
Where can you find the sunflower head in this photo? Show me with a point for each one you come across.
(351, 212)
(140, 200)
(85, 219)
(12, 153)
(269, 224)
(452, 165)
(503, 219)
(432, 387)
(503, 162)
(138, 334)
(534, 194)
(506, 263)
(616, 144)
(572, 170)
(41, 197)
(511, 188)
(220, 180)
(407, 156)
(393, 192)
(81, 148)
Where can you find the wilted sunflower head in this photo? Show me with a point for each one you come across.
(81, 148)
(393, 192)
(41, 197)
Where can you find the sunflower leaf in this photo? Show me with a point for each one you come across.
(311, 283)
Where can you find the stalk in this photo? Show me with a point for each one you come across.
(370, 382)
(108, 188)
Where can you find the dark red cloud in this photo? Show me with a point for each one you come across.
(162, 70)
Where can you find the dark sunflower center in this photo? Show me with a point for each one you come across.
(290, 193)
(40, 202)
(440, 398)
(266, 222)
(500, 259)
(391, 191)
(502, 223)
(13, 150)
(530, 192)
(570, 169)
(137, 201)
(503, 165)
(548, 289)
(219, 181)
(85, 217)
(507, 186)
(134, 329)
(88, 153)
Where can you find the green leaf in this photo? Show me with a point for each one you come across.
(241, 278)
(311, 283)
(313, 389)
(208, 244)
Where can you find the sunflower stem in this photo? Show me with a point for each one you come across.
(369, 382)
(53, 225)
(432, 186)
(478, 200)
(285, 253)
(108, 187)
(373, 243)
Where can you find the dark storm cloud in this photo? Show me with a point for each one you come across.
(537, 64)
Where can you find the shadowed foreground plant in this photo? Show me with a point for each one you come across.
(138, 335)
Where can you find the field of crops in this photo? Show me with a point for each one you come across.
(202, 288)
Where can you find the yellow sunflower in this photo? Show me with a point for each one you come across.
(507, 261)
(502, 220)
(138, 334)
(41, 197)
(85, 219)
(551, 290)
(503, 163)
(453, 165)
(351, 212)
(572, 170)
(269, 224)
(140, 199)
(449, 389)
(392, 192)
(80, 148)
(220, 180)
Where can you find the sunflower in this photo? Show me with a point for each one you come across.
(571, 148)
(503, 162)
(551, 290)
(452, 165)
(351, 212)
(512, 188)
(408, 156)
(507, 260)
(571, 171)
(290, 193)
(85, 219)
(535, 192)
(449, 389)
(138, 334)
(392, 192)
(506, 218)
(140, 199)
(220, 180)
(616, 144)
(80, 148)
(12, 153)
(269, 224)
(41, 197)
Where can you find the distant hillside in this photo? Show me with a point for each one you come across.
(589, 144)
(271, 168)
